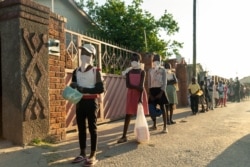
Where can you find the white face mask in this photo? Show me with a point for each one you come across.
(156, 64)
(86, 59)
(168, 71)
(135, 64)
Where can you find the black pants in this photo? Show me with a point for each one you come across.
(86, 110)
(194, 103)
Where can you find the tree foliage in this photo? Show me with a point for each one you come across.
(132, 27)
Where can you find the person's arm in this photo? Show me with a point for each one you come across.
(149, 79)
(149, 85)
(164, 80)
(73, 83)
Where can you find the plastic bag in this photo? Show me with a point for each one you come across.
(141, 126)
(72, 95)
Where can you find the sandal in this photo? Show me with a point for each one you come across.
(122, 140)
(90, 162)
(79, 158)
(153, 128)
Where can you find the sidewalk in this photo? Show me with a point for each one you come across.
(62, 154)
(216, 138)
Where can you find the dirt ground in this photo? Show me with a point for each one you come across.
(217, 138)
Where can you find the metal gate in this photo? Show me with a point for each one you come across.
(112, 59)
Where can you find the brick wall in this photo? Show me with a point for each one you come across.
(57, 80)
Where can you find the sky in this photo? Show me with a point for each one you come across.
(222, 32)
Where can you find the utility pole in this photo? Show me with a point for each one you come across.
(145, 38)
(194, 38)
(52, 5)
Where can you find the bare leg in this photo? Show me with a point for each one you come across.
(125, 129)
(126, 124)
(168, 107)
(164, 119)
(171, 113)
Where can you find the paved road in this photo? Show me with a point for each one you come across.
(218, 138)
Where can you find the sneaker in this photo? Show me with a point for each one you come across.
(172, 122)
(165, 130)
(90, 162)
(122, 140)
(153, 128)
(79, 158)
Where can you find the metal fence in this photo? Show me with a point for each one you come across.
(112, 59)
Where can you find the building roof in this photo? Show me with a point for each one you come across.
(82, 12)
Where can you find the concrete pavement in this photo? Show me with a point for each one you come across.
(207, 139)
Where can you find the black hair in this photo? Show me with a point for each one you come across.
(167, 65)
(136, 55)
(157, 56)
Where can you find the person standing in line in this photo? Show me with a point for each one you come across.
(157, 90)
(207, 95)
(225, 93)
(204, 98)
(221, 93)
(211, 93)
(136, 93)
(171, 93)
(237, 89)
(193, 89)
(231, 91)
(87, 80)
(216, 95)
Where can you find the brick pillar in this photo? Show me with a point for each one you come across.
(147, 60)
(24, 36)
(57, 80)
(181, 74)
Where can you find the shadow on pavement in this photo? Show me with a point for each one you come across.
(63, 153)
(235, 155)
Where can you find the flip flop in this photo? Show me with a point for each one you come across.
(78, 159)
(90, 162)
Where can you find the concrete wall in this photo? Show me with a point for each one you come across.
(24, 29)
(32, 80)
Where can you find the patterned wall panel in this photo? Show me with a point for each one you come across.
(36, 77)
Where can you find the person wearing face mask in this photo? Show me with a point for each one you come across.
(87, 80)
(157, 90)
(171, 92)
(135, 78)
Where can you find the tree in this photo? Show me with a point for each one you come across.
(132, 27)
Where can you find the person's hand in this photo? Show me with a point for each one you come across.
(73, 85)
(141, 99)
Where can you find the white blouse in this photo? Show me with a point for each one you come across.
(86, 79)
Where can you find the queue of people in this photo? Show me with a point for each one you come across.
(210, 95)
(87, 80)
(162, 83)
